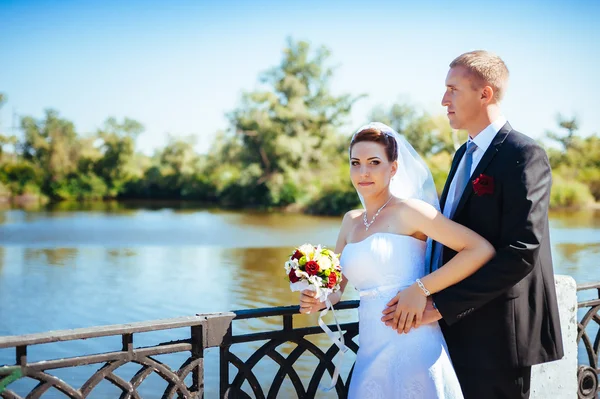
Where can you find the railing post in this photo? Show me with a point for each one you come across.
(127, 340)
(21, 356)
(224, 363)
(217, 332)
(558, 379)
(288, 323)
(198, 353)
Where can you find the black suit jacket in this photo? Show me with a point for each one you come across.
(505, 315)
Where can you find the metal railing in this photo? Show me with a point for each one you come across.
(205, 331)
(237, 378)
(232, 388)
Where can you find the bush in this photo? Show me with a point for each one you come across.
(4, 191)
(591, 177)
(283, 190)
(439, 165)
(198, 188)
(21, 178)
(79, 187)
(569, 193)
(334, 200)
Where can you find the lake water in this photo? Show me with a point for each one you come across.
(74, 266)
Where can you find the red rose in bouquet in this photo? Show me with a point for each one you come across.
(332, 280)
(312, 268)
(293, 277)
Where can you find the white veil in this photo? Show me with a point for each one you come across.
(413, 178)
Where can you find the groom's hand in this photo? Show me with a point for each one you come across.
(430, 315)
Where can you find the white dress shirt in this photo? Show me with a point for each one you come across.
(482, 141)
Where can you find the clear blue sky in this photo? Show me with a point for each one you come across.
(179, 66)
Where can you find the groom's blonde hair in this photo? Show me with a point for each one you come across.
(486, 69)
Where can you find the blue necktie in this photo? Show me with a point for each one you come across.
(461, 177)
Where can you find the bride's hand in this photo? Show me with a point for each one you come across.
(410, 304)
(430, 315)
(308, 302)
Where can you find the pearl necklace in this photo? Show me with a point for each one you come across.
(368, 224)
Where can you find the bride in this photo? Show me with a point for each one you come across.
(385, 251)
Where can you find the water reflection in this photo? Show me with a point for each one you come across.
(51, 257)
(78, 265)
(573, 252)
(88, 206)
(142, 227)
(191, 259)
(120, 252)
(584, 218)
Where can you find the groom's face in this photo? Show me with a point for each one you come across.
(461, 99)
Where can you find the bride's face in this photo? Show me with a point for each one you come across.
(370, 169)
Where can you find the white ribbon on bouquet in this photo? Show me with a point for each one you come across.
(322, 294)
(338, 341)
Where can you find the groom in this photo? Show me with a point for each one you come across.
(504, 318)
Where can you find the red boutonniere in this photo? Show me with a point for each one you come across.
(483, 185)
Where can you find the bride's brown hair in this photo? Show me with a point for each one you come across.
(377, 136)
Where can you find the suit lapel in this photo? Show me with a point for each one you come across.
(455, 162)
(482, 165)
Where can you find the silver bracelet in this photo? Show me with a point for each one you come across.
(425, 290)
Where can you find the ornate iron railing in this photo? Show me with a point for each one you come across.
(238, 376)
(205, 331)
(587, 375)
(232, 388)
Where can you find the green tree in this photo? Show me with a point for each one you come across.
(116, 166)
(51, 144)
(571, 126)
(179, 156)
(577, 160)
(426, 133)
(287, 128)
(5, 139)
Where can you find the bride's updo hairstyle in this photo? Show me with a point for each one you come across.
(377, 136)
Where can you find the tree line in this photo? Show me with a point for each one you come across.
(285, 147)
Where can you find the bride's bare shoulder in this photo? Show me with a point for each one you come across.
(410, 208)
(354, 213)
(351, 218)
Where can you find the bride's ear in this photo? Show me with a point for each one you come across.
(394, 168)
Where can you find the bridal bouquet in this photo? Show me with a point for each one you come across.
(318, 269)
(314, 268)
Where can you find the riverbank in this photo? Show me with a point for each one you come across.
(34, 203)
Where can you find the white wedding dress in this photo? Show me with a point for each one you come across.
(391, 365)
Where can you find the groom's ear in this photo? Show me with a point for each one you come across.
(487, 94)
